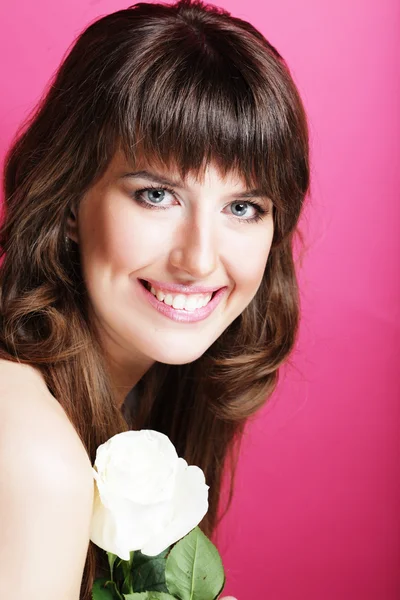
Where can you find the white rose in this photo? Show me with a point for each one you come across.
(146, 497)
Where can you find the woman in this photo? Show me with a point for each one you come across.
(148, 277)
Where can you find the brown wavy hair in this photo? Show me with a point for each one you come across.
(185, 84)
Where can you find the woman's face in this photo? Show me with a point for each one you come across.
(197, 233)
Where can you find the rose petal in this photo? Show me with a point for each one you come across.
(103, 530)
(147, 498)
(120, 526)
(138, 465)
(190, 504)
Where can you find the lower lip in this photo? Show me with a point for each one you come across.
(184, 316)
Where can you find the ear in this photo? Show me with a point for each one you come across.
(72, 224)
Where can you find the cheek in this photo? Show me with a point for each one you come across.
(247, 261)
(121, 240)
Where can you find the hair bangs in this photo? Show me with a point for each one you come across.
(196, 109)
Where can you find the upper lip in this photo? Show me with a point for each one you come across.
(177, 288)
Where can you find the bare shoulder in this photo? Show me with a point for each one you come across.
(29, 411)
(25, 398)
(46, 490)
(16, 379)
(16, 376)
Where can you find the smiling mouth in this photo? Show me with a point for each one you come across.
(147, 285)
(184, 301)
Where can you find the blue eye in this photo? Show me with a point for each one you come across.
(156, 195)
(242, 209)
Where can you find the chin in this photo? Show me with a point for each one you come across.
(171, 358)
(176, 356)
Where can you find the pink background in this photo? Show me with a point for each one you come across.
(316, 514)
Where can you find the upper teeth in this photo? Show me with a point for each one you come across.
(182, 301)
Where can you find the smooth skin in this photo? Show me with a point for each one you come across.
(46, 491)
(198, 237)
(195, 234)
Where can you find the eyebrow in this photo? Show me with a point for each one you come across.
(255, 193)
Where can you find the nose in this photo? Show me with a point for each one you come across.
(194, 253)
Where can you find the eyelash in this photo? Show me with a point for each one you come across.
(137, 195)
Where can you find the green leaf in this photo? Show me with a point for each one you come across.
(99, 592)
(149, 572)
(194, 568)
(104, 589)
(149, 596)
(141, 573)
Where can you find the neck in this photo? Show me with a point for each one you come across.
(125, 365)
(125, 375)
